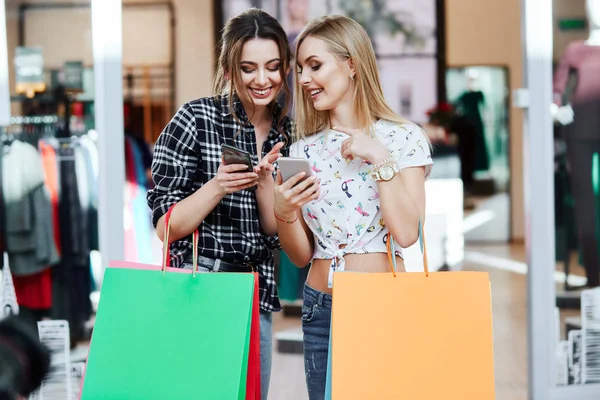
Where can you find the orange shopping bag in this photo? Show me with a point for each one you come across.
(425, 336)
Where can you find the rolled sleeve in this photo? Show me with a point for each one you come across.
(175, 163)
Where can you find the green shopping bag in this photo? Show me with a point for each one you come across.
(167, 333)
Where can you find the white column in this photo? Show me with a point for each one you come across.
(538, 179)
(538, 165)
(4, 84)
(107, 39)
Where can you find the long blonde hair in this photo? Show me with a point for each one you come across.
(347, 40)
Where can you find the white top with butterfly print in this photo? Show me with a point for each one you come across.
(348, 211)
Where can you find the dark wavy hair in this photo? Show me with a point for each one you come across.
(251, 24)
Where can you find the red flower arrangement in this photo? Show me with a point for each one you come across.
(442, 115)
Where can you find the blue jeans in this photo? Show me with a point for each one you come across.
(266, 352)
(316, 322)
(266, 344)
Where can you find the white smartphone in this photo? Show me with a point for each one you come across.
(290, 166)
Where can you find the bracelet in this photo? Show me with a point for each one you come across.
(383, 162)
(283, 220)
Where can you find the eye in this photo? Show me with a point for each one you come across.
(274, 68)
(247, 71)
(315, 67)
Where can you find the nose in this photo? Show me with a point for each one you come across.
(304, 77)
(261, 78)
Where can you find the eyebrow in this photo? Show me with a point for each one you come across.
(307, 59)
(253, 63)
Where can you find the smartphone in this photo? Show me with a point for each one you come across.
(233, 155)
(290, 166)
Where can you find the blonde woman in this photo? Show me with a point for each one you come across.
(370, 167)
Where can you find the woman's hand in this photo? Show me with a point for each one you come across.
(361, 145)
(265, 167)
(294, 193)
(231, 178)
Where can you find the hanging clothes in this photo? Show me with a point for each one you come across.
(31, 247)
(469, 104)
(28, 211)
(138, 220)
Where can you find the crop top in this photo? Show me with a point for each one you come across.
(348, 210)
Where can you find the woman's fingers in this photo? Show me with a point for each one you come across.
(239, 182)
(309, 194)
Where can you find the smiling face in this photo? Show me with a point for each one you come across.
(260, 72)
(323, 75)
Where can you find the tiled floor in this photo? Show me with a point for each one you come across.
(510, 333)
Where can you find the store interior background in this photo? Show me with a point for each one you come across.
(485, 235)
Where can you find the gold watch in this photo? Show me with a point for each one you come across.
(386, 172)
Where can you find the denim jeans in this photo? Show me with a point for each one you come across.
(316, 320)
(266, 344)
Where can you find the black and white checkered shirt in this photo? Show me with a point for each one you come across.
(187, 155)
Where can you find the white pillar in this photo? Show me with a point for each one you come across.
(107, 39)
(538, 165)
(4, 84)
(538, 178)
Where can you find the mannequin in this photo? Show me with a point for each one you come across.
(469, 104)
(577, 108)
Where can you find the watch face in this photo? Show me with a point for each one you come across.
(386, 172)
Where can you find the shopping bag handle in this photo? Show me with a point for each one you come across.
(167, 244)
(391, 251)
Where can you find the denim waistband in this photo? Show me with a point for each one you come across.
(312, 295)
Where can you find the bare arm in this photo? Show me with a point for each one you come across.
(403, 204)
(296, 239)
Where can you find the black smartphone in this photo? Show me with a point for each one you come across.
(233, 155)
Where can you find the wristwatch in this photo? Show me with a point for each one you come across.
(385, 172)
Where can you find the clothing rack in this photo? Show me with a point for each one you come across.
(59, 282)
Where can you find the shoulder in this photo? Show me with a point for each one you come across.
(393, 131)
(207, 108)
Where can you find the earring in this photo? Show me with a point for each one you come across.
(352, 77)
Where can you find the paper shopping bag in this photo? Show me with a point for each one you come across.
(253, 375)
(167, 333)
(425, 336)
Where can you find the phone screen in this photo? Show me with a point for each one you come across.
(231, 155)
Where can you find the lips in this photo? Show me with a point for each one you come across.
(314, 93)
(261, 92)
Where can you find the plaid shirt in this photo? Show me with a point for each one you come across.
(187, 155)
